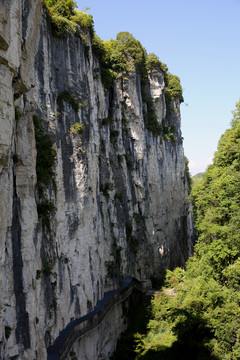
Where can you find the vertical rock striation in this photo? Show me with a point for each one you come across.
(113, 204)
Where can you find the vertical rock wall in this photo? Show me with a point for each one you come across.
(116, 203)
(101, 342)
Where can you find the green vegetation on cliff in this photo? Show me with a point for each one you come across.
(199, 317)
(66, 18)
(46, 154)
(125, 55)
(117, 58)
(45, 161)
(153, 62)
(120, 56)
(173, 88)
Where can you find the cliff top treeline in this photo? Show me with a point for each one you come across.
(200, 318)
(116, 57)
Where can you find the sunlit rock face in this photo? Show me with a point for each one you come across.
(116, 203)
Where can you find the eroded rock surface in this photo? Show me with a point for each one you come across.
(118, 194)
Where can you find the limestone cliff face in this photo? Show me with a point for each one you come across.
(118, 194)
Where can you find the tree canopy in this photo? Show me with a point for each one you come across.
(66, 18)
(200, 318)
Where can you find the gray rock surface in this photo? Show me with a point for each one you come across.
(120, 194)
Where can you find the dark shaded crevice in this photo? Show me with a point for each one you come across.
(137, 316)
(25, 13)
(22, 330)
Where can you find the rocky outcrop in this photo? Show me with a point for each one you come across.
(115, 201)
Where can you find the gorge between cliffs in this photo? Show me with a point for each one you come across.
(93, 181)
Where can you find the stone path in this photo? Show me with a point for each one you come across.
(54, 349)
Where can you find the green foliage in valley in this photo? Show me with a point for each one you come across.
(189, 178)
(197, 178)
(199, 317)
(137, 321)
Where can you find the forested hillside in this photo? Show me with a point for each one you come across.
(197, 178)
(199, 318)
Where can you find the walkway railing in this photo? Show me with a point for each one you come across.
(76, 329)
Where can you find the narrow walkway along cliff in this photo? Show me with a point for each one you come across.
(78, 328)
(93, 181)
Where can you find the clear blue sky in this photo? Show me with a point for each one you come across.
(199, 40)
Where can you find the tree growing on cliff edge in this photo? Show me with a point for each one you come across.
(118, 58)
(66, 18)
(200, 318)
